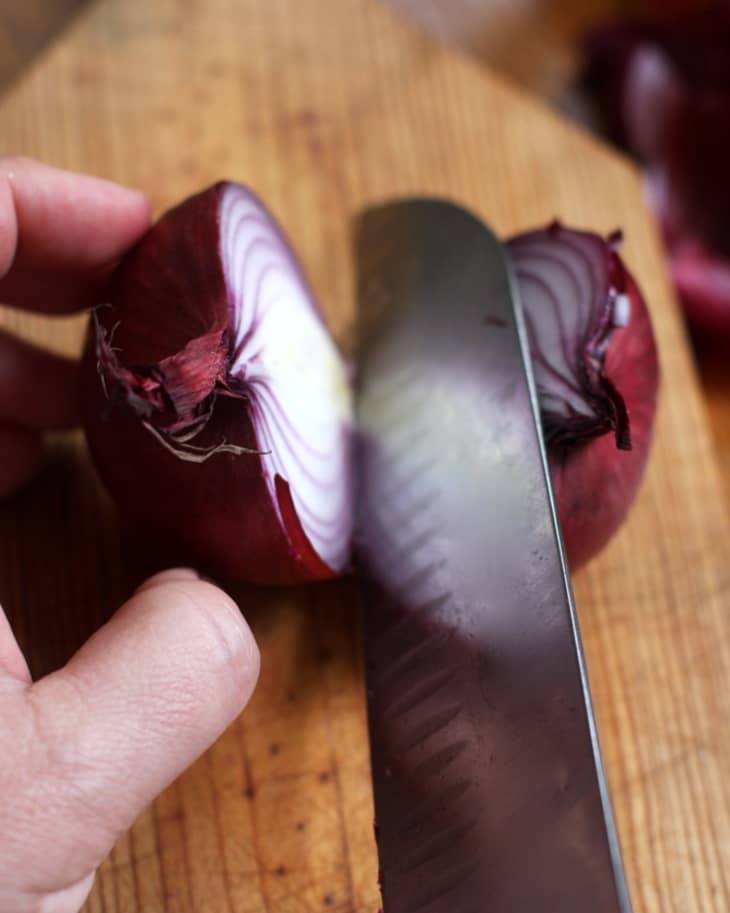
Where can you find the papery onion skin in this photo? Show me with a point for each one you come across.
(596, 471)
(173, 429)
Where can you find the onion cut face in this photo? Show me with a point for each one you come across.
(596, 372)
(217, 406)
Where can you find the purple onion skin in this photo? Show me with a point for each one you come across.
(167, 311)
(597, 459)
(595, 484)
(664, 89)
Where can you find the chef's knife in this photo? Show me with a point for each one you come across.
(490, 794)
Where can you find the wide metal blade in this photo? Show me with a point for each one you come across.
(489, 789)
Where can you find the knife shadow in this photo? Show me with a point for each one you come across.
(486, 792)
(28, 28)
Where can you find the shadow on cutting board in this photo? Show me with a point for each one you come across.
(65, 569)
(27, 27)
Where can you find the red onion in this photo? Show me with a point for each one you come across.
(596, 371)
(218, 411)
(664, 87)
(217, 407)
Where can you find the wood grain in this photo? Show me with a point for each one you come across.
(324, 106)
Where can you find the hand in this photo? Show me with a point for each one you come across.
(85, 749)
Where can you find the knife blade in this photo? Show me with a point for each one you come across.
(490, 792)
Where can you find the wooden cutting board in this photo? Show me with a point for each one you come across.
(323, 106)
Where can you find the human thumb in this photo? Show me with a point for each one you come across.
(138, 703)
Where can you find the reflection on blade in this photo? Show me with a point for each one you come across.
(489, 791)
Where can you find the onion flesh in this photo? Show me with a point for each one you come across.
(218, 409)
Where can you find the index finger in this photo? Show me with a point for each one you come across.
(61, 233)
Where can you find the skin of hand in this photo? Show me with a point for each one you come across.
(85, 749)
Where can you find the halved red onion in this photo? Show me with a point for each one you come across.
(217, 405)
(596, 372)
